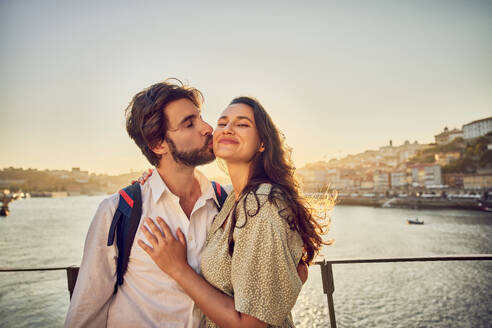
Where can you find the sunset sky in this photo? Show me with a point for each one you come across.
(337, 77)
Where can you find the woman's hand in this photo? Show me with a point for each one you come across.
(169, 254)
(145, 176)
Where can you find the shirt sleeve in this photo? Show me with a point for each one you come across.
(97, 274)
(264, 266)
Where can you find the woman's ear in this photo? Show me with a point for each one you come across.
(262, 148)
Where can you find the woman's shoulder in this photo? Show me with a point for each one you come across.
(266, 190)
(266, 205)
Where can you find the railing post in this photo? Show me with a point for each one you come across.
(328, 289)
(72, 272)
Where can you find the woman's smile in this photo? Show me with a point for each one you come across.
(227, 141)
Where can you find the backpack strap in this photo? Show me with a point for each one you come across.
(124, 225)
(220, 194)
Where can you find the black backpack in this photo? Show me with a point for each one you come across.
(126, 219)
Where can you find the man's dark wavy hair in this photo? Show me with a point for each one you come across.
(274, 166)
(146, 121)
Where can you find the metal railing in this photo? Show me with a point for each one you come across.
(326, 272)
(329, 284)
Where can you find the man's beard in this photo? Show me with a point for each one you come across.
(193, 158)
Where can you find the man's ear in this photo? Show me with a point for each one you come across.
(160, 148)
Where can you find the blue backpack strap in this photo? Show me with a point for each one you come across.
(124, 225)
(220, 194)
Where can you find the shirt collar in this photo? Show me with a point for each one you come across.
(159, 187)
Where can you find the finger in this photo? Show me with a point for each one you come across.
(153, 227)
(181, 236)
(150, 237)
(165, 228)
(149, 250)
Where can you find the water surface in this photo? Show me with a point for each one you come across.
(44, 232)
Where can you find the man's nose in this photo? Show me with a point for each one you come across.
(207, 128)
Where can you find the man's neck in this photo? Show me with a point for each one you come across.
(180, 180)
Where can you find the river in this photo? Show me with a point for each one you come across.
(43, 232)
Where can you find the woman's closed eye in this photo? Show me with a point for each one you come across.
(242, 125)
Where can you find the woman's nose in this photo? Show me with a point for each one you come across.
(228, 128)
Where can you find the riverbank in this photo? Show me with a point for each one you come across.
(414, 203)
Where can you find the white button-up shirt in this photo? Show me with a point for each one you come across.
(148, 297)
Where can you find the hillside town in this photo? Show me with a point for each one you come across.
(457, 165)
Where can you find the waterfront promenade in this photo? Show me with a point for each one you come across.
(416, 202)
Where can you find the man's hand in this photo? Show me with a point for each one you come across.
(145, 176)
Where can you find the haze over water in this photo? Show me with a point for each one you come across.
(44, 232)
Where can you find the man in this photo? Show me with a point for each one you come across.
(164, 121)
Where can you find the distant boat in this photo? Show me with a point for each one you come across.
(485, 206)
(416, 221)
(4, 211)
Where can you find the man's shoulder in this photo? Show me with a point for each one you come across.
(109, 204)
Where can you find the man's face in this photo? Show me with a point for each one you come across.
(189, 138)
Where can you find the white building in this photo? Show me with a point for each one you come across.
(426, 175)
(477, 128)
(382, 181)
(399, 179)
(446, 136)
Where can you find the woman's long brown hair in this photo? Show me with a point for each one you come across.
(274, 165)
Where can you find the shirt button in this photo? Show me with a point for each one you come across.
(190, 238)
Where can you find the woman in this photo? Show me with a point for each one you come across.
(262, 232)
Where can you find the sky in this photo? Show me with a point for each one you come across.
(337, 77)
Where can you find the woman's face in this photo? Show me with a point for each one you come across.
(236, 137)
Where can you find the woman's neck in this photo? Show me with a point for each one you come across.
(239, 173)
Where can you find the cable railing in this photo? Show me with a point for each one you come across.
(325, 265)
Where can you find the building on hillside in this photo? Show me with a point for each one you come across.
(343, 184)
(312, 179)
(62, 174)
(6, 183)
(477, 128)
(80, 176)
(408, 150)
(382, 181)
(446, 136)
(446, 158)
(426, 175)
(453, 180)
(399, 179)
(367, 184)
(388, 150)
(477, 181)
